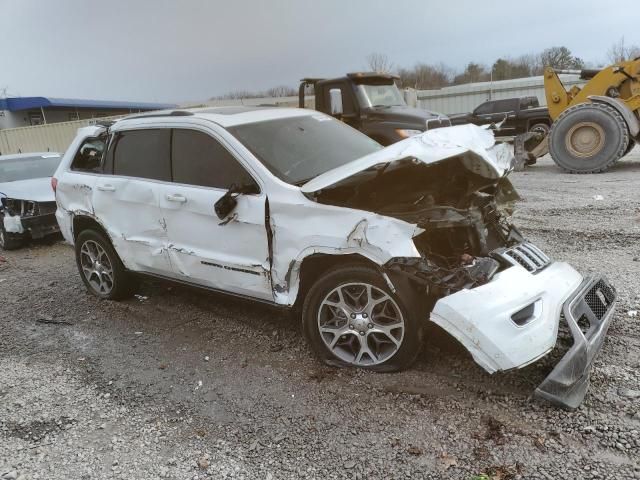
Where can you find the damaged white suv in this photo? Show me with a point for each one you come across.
(294, 208)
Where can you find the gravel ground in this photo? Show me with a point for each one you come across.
(181, 384)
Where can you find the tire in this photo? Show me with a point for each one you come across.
(631, 146)
(358, 325)
(107, 279)
(9, 241)
(540, 128)
(588, 138)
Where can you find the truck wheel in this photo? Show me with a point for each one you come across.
(100, 267)
(352, 319)
(9, 241)
(588, 138)
(542, 128)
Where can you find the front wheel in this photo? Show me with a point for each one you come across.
(351, 318)
(100, 267)
(588, 138)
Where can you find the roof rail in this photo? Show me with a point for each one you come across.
(173, 113)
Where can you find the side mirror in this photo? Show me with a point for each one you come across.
(228, 202)
(335, 99)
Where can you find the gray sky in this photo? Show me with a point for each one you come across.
(156, 50)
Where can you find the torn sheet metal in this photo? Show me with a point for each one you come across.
(305, 228)
(476, 145)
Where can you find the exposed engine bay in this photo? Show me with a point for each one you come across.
(464, 216)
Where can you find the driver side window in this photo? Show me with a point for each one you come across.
(198, 159)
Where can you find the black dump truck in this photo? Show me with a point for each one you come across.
(520, 115)
(371, 103)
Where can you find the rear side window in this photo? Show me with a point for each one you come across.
(503, 106)
(88, 158)
(198, 159)
(143, 154)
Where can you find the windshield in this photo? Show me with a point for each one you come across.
(301, 148)
(24, 168)
(381, 95)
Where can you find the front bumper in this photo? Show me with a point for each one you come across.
(41, 225)
(588, 314)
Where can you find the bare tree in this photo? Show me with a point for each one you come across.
(423, 76)
(560, 58)
(379, 62)
(281, 91)
(620, 52)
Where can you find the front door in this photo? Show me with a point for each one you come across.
(229, 254)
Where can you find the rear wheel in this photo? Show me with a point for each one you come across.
(588, 138)
(351, 318)
(100, 267)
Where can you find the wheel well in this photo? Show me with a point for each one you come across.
(317, 264)
(83, 222)
(536, 121)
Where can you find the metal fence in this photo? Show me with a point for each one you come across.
(465, 98)
(53, 137)
(56, 137)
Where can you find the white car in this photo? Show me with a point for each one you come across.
(293, 208)
(27, 201)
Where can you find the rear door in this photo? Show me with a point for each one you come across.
(228, 254)
(126, 198)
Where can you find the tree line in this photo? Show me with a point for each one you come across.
(425, 76)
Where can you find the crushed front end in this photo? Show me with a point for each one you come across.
(499, 295)
(587, 314)
(26, 217)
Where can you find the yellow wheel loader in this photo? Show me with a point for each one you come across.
(596, 125)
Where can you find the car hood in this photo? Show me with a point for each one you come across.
(34, 189)
(474, 146)
(404, 113)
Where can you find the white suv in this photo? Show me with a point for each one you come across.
(294, 208)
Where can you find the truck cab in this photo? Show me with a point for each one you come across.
(372, 103)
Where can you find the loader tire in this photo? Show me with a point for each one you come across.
(631, 146)
(588, 138)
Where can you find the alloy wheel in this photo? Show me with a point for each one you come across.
(96, 267)
(361, 324)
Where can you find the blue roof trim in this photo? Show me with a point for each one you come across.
(14, 104)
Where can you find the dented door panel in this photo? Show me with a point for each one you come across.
(140, 239)
(229, 254)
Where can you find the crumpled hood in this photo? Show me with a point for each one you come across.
(474, 145)
(34, 189)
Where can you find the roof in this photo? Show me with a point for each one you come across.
(14, 104)
(16, 156)
(223, 116)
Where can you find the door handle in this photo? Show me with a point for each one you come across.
(176, 198)
(106, 188)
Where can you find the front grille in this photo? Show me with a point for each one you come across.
(526, 255)
(599, 298)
